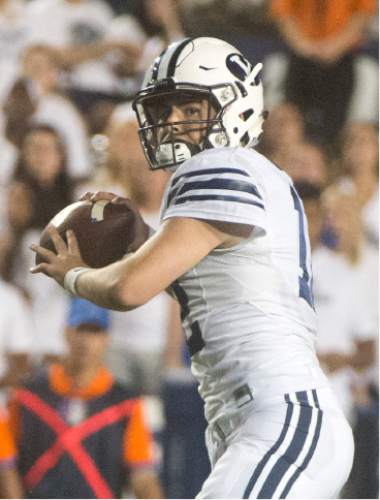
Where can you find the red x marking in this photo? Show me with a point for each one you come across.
(69, 440)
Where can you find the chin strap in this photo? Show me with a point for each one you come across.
(175, 153)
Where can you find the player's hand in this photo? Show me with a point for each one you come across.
(112, 197)
(57, 264)
(106, 195)
(142, 230)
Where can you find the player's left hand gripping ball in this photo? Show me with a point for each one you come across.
(94, 232)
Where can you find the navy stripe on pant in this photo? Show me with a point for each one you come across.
(293, 451)
(310, 453)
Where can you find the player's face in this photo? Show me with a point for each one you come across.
(187, 112)
(182, 115)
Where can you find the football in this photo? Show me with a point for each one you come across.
(105, 231)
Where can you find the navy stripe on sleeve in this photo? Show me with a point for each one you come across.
(220, 197)
(220, 184)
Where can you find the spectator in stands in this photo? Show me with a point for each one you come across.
(346, 302)
(77, 30)
(13, 36)
(36, 99)
(284, 128)
(285, 143)
(346, 298)
(96, 436)
(152, 24)
(42, 69)
(306, 162)
(42, 167)
(41, 187)
(16, 332)
(16, 260)
(17, 213)
(322, 38)
(359, 163)
(10, 483)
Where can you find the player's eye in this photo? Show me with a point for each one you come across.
(191, 110)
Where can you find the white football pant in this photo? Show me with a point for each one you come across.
(298, 445)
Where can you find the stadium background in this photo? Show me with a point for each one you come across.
(68, 69)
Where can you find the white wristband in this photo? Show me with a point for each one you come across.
(71, 277)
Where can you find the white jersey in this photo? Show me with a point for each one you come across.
(247, 310)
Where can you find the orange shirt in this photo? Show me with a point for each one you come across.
(7, 444)
(319, 19)
(138, 442)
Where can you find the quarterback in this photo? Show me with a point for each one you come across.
(233, 248)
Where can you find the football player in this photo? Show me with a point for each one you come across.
(233, 247)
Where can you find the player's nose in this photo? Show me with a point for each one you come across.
(176, 117)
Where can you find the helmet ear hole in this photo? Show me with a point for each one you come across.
(247, 114)
(245, 139)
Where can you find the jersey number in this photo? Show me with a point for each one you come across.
(195, 342)
(305, 280)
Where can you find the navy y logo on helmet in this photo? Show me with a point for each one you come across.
(239, 66)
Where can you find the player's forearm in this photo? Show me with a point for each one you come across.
(133, 281)
(103, 287)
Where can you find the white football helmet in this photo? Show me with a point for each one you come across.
(199, 69)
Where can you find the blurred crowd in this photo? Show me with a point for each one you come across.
(69, 69)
